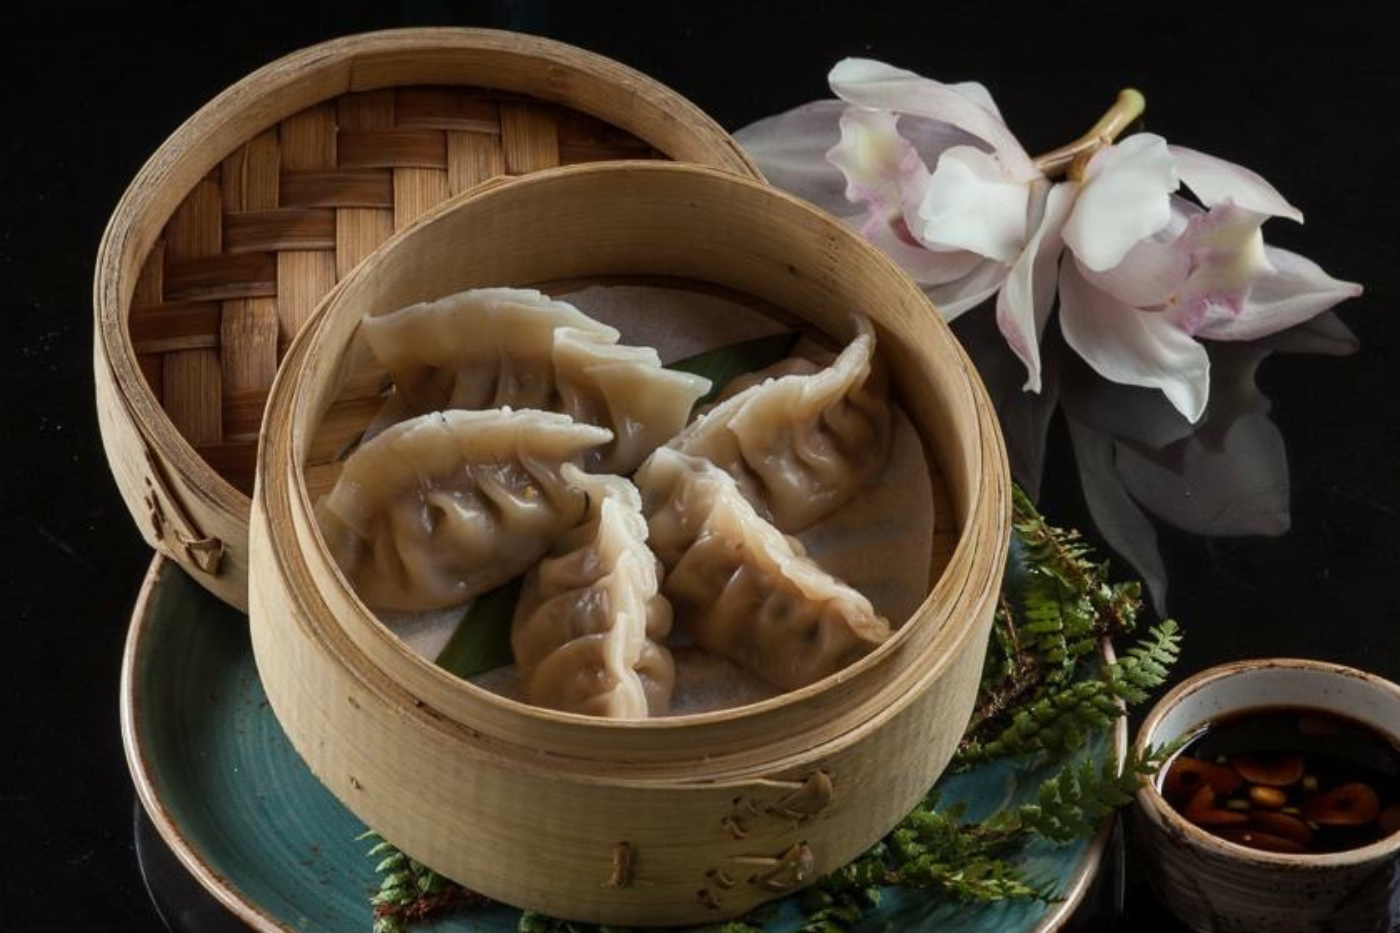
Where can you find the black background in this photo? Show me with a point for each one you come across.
(1304, 94)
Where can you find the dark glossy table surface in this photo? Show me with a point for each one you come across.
(1271, 529)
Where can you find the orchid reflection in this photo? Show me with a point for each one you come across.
(1138, 457)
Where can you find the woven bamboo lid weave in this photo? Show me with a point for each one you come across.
(234, 230)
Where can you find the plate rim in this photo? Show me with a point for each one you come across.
(251, 913)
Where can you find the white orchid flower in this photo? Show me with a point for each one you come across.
(1147, 272)
(948, 191)
(1141, 272)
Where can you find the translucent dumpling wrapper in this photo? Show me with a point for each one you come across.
(788, 366)
(740, 587)
(441, 508)
(494, 347)
(589, 628)
(804, 443)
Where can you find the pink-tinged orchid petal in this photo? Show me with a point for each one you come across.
(970, 204)
(1292, 290)
(1023, 306)
(1124, 344)
(924, 266)
(931, 138)
(1226, 254)
(882, 87)
(790, 150)
(881, 167)
(1216, 181)
(1126, 197)
(1155, 267)
(1148, 276)
(966, 293)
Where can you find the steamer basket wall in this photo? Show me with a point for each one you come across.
(668, 821)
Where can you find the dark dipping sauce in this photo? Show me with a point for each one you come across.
(1288, 779)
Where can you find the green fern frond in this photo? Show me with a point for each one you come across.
(1146, 665)
(739, 926)
(836, 917)
(408, 890)
(1075, 801)
(988, 882)
(1055, 723)
(1062, 720)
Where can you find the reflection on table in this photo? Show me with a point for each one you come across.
(1137, 456)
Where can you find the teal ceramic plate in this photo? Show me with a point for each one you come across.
(226, 790)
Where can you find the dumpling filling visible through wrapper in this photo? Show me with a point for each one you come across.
(744, 590)
(589, 629)
(446, 506)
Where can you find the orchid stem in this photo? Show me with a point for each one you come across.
(1072, 158)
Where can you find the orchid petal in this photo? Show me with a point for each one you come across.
(977, 92)
(1291, 291)
(1148, 276)
(1203, 259)
(1216, 181)
(881, 167)
(1126, 197)
(969, 204)
(790, 150)
(1152, 270)
(1226, 253)
(926, 267)
(877, 85)
(931, 138)
(953, 298)
(1134, 347)
(1023, 306)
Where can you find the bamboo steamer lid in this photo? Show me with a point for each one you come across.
(655, 822)
(247, 215)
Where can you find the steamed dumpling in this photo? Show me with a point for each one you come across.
(624, 389)
(485, 348)
(590, 623)
(789, 366)
(443, 507)
(740, 587)
(491, 347)
(803, 444)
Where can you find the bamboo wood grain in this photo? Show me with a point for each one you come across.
(231, 213)
(358, 230)
(529, 805)
(473, 158)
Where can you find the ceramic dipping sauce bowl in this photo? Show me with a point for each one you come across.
(1214, 885)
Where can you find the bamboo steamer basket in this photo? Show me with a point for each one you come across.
(254, 208)
(654, 822)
